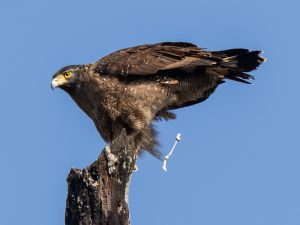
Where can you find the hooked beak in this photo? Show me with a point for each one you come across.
(54, 84)
(58, 81)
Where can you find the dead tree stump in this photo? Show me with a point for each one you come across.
(98, 194)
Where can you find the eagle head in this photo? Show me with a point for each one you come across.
(68, 77)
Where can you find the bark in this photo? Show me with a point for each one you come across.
(98, 194)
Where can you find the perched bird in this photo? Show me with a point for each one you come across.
(133, 87)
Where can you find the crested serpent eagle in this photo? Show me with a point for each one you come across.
(132, 87)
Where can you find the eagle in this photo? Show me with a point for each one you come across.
(134, 87)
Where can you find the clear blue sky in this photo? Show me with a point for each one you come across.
(238, 163)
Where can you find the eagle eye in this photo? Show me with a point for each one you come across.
(67, 75)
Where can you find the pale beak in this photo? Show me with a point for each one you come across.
(54, 84)
(58, 81)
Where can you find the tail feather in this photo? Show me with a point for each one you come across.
(240, 61)
(234, 51)
(249, 61)
(239, 76)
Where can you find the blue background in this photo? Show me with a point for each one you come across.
(238, 163)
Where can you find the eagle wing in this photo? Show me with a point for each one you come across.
(146, 60)
(196, 72)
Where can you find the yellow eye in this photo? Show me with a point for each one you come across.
(67, 74)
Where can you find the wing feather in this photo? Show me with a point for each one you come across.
(150, 59)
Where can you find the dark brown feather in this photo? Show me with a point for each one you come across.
(133, 87)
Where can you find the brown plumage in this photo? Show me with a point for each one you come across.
(133, 87)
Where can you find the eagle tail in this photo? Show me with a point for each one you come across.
(240, 61)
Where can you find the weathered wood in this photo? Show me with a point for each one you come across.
(98, 194)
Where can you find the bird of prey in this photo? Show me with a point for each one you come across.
(133, 87)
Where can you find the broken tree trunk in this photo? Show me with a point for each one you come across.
(98, 194)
